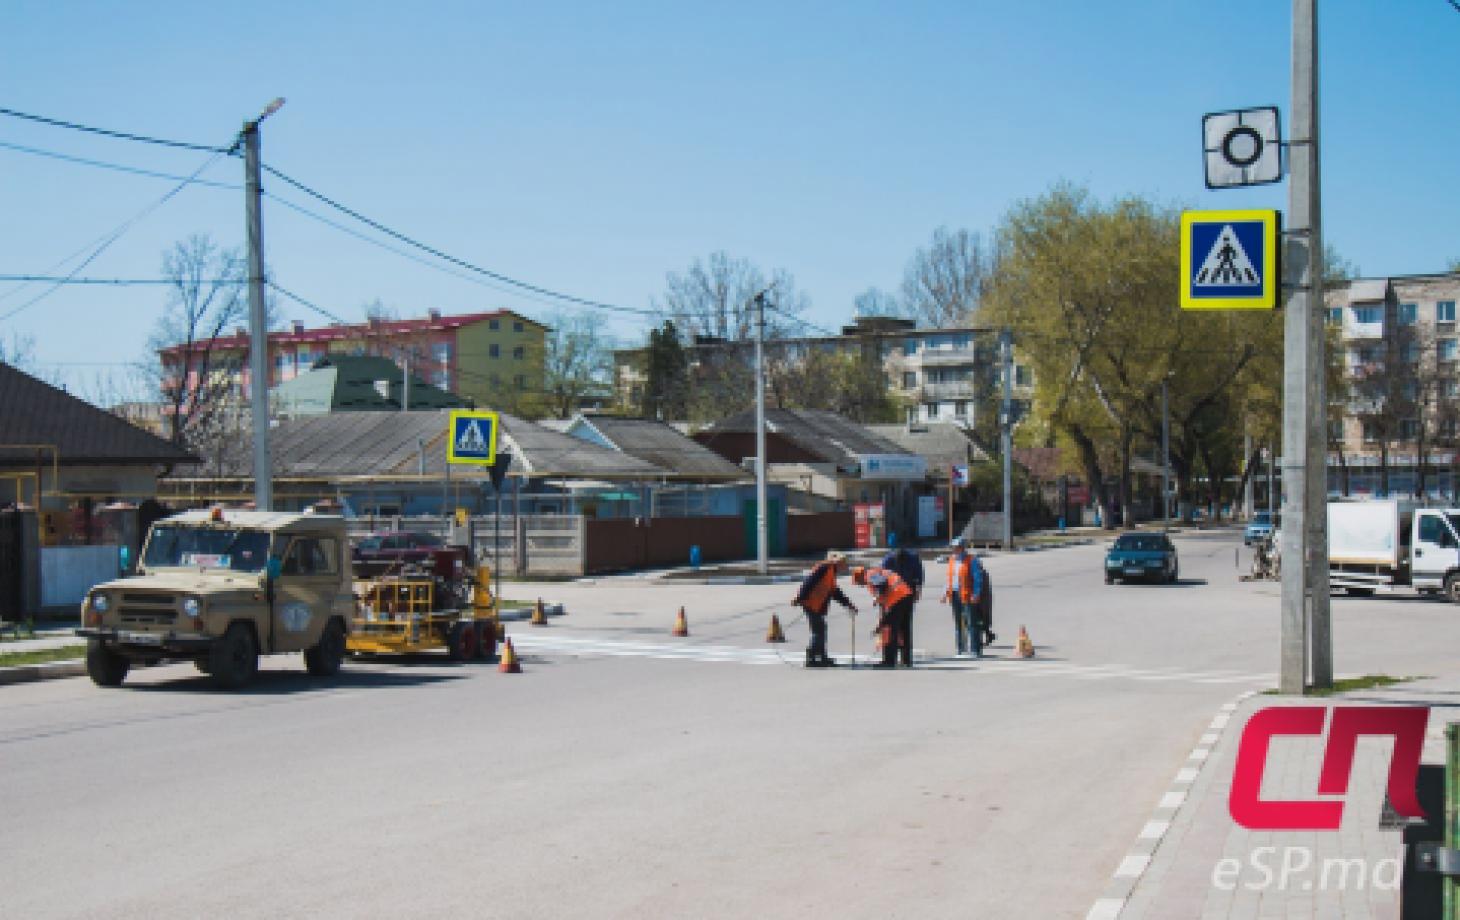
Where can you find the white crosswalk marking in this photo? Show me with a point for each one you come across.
(586, 647)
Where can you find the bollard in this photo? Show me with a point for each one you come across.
(694, 556)
(1062, 525)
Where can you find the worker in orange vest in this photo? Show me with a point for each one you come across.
(965, 586)
(817, 592)
(895, 597)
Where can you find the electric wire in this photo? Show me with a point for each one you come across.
(119, 135)
(116, 234)
(116, 167)
(461, 263)
(115, 282)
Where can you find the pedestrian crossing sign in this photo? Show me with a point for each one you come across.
(472, 437)
(1229, 260)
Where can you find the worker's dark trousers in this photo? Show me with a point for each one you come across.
(816, 651)
(899, 644)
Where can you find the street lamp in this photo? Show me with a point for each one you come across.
(1165, 458)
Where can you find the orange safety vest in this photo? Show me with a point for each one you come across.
(897, 589)
(819, 597)
(965, 582)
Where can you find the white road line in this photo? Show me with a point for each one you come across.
(1173, 799)
(1154, 830)
(1133, 865)
(1106, 909)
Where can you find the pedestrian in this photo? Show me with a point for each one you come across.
(985, 603)
(818, 590)
(895, 598)
(905, 563)
(963, 593)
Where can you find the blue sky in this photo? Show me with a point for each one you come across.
(592, 148)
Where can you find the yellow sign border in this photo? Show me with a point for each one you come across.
(482, 414)
(1272, 268)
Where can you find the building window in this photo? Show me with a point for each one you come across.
(1371, 431)
(1446, 349)
(909, 379)
(519, 352)
(1409, 430)
(521, 381)
(1408, 313)
(1335, 430)
(1022, 376)
(1367, 316)
(517, 327)
(1335, 316)
(494, 324)
(1445, 311)
(960, 408)
(1452, 389)
(909, 346)
(930, 410)
(441, 351)
(494, 351)
(1409, 353)
(441, 379)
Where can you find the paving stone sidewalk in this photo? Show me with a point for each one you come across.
(1192, 860)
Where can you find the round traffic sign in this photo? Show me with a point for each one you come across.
(1242, 146)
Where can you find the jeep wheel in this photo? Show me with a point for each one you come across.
(106, 667)
(234, 659)
(1452, 587)
(324, 659)
(461, 641)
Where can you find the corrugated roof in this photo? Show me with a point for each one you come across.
(660, 444)
(347, 445)
(1368, 289)
(34, 412)
(942, 444)
(825, 434)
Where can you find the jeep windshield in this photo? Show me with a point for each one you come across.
(174, 546)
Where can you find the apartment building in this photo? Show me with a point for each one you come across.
(493, 358)
(1401, 361)
(940, 375)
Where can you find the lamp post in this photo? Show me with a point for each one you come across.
(1165, 458)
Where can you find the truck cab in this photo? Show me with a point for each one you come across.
(221, 587)
(1435, 552)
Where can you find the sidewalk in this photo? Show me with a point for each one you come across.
(1192, 860)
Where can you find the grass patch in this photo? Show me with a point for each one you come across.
(1350, 684)
(41, 656)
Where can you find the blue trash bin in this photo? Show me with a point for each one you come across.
(694, 556)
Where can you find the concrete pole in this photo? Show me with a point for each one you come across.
(1306, 165)
(761, 547)
(258, 350)
(1165, 459)
(1304, 470)
(1006, 424)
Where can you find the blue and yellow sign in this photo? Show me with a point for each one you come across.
(1229, 260)
(472, 437)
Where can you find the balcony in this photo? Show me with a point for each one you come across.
(945, 357)
(938, 392)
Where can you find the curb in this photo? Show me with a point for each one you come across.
(52, 669)
(1128, 874)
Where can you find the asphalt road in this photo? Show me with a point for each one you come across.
(627, 773)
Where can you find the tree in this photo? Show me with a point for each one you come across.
(206, 298)
(943, 284)
(847, 381)
(877, 302)
(715, 298)
(666, 375)
(576, 361)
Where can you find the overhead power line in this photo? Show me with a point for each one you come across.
(120, 135)
(462, 263)
(118, 282)
(117, 167)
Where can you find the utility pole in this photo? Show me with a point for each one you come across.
(1006, 440)
(405, 398)
(761, 549)
(1165, 458)
(1305, 468)
(1247, 505)
(258, 349)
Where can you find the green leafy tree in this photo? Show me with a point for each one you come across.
(666, 375)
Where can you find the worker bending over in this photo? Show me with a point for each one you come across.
(895, 599)
(817, 592)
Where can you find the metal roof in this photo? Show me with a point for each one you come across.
(824, 434)
(942, 444)
(34, 412)
(660, 444)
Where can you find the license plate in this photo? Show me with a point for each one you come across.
(1135, 571)
(140, 638)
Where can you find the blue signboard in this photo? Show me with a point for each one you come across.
(1229, 260)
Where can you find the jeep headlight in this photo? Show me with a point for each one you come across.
(192, 607)
(99, 603)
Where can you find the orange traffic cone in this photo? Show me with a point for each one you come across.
(681, 625)
(1022, 646)
(509, 663)
(539, 616)
(775, 633)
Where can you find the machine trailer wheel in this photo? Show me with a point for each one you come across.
(324, 659)
(106, 667)
(486, 640)
(1452, 588)
(461, 641)
(234, 659)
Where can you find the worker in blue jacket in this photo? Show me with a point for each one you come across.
(909, 568)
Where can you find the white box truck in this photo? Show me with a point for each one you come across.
(1393, 546)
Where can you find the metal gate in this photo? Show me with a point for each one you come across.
(12, 566)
